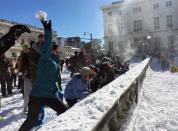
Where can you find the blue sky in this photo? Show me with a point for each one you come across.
(69, 17)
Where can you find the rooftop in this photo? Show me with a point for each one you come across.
(118, 2)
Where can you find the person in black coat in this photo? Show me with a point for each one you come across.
(8, 40)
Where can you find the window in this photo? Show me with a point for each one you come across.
(110, 29)
(110, 13)
(156, 6)
(168, 3)
(156, 23)
(111, 46)
(136, 40)
(137, 25)
(121, 46)
(157, 42)
(120, 28)
(169, 21)
(138, 43)
(170, 41)
(137, 10)
(119, 12)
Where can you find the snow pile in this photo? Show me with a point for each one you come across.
(157, 109)
(88, 112)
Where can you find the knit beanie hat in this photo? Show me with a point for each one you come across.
(106, 59)
(85, 71)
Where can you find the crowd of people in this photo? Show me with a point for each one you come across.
(38, 69)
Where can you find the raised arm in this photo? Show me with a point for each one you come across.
(46, 49)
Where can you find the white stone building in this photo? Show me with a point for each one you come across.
(69, 51)
(147, 26)
(25, 38)
(61, 44)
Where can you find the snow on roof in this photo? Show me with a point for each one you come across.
(84, 115)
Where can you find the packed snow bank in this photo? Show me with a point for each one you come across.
(158, 110)
(88, 112)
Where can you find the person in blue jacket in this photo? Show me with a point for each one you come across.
(45, 87)
(78, 87)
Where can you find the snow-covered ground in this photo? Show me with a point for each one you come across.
(157, 109)
(12, 109)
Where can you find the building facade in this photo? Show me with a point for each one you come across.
(67, 46)
(70, 51)
(142, 26)
(73, 41)
(26, 38)
(61, 43)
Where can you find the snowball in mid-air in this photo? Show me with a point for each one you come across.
(41, 15)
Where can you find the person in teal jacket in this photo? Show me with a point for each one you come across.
(45, 86)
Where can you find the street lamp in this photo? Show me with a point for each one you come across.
(89, 34)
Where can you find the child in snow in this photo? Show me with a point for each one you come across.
(78, 87)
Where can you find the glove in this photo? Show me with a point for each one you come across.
(17, 30)
(46, 24)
